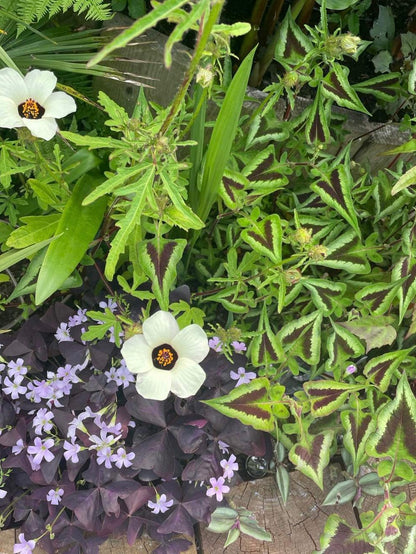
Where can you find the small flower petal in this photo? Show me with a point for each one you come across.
(160, 328)
(12, 85)
(154, 385)
(187, 378)
(191, 342)
(59, 104)
(137, 354)
(40, 84)
(9, 116)
(43, 128)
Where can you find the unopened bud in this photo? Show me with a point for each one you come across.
(205, 76)
(290, 79)
(318, 252)
(292, 276)
(302, 236)
(337, 46)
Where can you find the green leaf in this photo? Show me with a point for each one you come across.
(161, 11)
(265, 237)
(222, 519)
(302, 337)
(382, 87)
(250, 527)
(311, 455)
(232, 536)
(8, 259)
(179, 213)
(93, 142)
(406, 180)
(159, 259)
(234, 299)
(339, 536)
(318, 116)
(127, 223)
(249, 403)
(264, 347)
(335, 86)
(327, 396)
(405, 148)
(396, 427)
(342, 345)
(358, 427)
(222, 138)
(376, 331)
(381, 368)
(293, 44)
(341, 493)
(76, 229)
(347, 253)
(405, 270)
(283, 482)
(35, 229)
(336, 191)
(378, 297)
(325, 294)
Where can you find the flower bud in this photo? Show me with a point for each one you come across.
(290, 79)
(318, 252)
(337, 46)
(205, 76)
(292, 276)
(302, 236)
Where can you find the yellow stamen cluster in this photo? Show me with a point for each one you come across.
(164, 357)
(30, 109)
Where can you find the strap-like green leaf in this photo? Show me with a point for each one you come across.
(76, 229)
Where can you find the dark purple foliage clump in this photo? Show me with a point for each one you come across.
(83, 452)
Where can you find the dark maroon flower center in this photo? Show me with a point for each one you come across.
(164, 357)
(30, 109)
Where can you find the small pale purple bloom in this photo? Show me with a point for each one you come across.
(229, 466)
(14, 388)
(223, 446)
(63, 334)
(71, 451)
(42, 422)
(16, 368)
(18, 447)
(104, 456)
(54, 496)
(122, 458)
(41, 450)
(218, 488)
(161, 505)
(351, 369)
(215, 343)
(238, 346)
(24, 546)
(242, 377)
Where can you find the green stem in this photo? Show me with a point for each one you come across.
(203, 37)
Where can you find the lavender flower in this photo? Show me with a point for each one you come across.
(161, 505)
(218, 488)
(41, 450)
(13, 387)
(229, 466)
(238, 346)
(3, 493)
(42, 421)
(104, 456)
(110, 304)
(24, 546)
(78, 318)
(71, 451)
(16, 368)
(223, 446)
(62, 333)
(54, 496)
(121, 458)
(241, 376)
(18, 447)
(351, 369)
(215, 343)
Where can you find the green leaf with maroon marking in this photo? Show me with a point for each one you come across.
(293, 44)
(339, 536)
(396, 426)
(376, 331)
(265, 237)
(234, 299)
(383, 87)
(264, 347)
(311, 455)
(378, 297)
(248, 403)
(318, 115)
(263, 168)
(381, 369)
(405, 268)
(232, 189)
(159, 259)
(342, 346)
(302, 337)
(325, 294)
(347, 253)
(335, 85)
(327, 396)
(336, 191)
(358, 427)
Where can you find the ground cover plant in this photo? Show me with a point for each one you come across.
(260, 282)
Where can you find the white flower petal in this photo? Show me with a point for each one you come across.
(59, 104)
(154, 385)
(137, 354)
(191, 342)
(12, 85)
(40, 85)
(160, 328)
(9, 116)
(187, 378)
(44, 128)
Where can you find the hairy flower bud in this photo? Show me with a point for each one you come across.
(337, 46)
(318, 252)
(205, 76)
(302, 236)
(292, 276)
(290, 79)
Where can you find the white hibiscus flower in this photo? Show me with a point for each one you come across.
(29, 102)
(166, 358)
